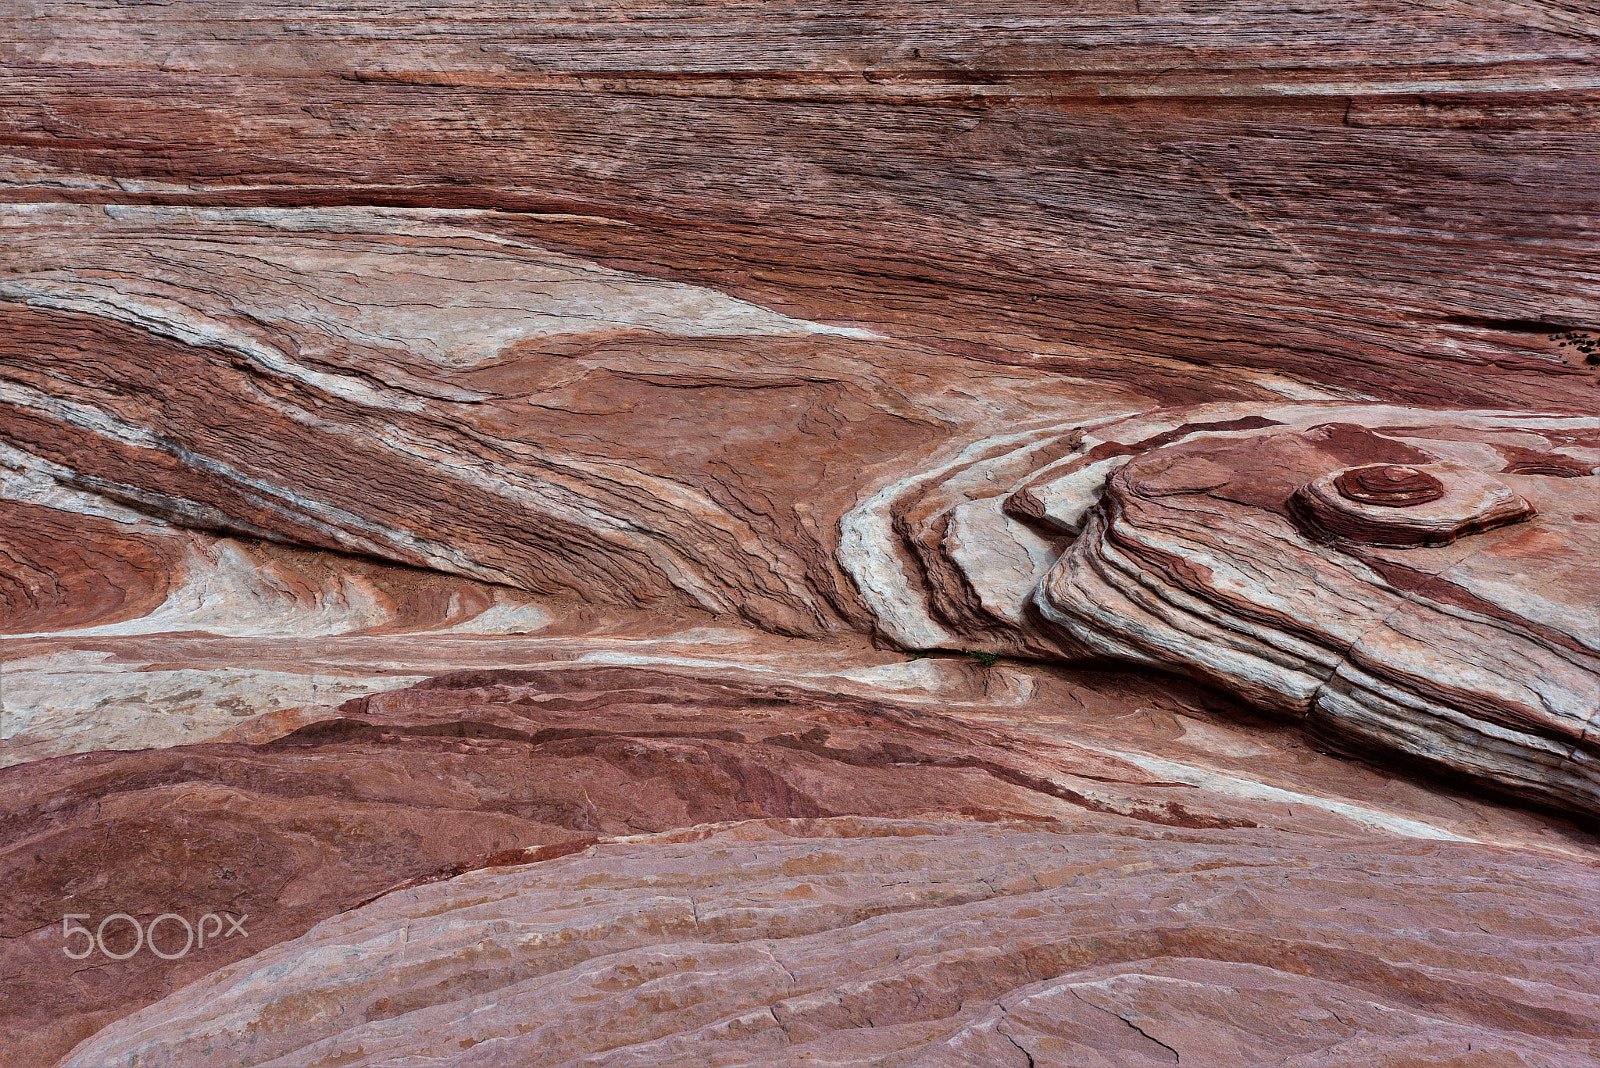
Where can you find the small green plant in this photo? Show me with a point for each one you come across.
(984, 658)
(918, 655)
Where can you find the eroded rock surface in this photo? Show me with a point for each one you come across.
(903, 942)
(494, 768)
(1410, 587)
(654, 378)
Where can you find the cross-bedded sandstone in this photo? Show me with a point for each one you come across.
(653, 377)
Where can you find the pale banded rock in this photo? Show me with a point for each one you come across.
(1455, 626)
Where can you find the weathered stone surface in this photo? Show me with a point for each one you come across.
(658, 375)
(1427, 628)
(495, 767)
(1408, 504)
(895, 942)
(451, 775)
(1376, 194)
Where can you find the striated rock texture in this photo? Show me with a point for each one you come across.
(502, 495)
(897, 942)
(1393, 197)
(1425, 590)
(483, 771)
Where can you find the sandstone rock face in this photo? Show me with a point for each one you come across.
(881, 941)
(469, 769)
(487, 771)
(1408, 504)
(1426, 590)
(504, 497)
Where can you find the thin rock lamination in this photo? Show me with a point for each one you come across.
(347, 347)
(918, 942)
(1409, 584)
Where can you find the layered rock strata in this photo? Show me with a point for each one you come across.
(913, 942)
(1395, 199)
(653, 377)
(495, 768)
(1406, 586)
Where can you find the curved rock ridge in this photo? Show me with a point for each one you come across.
(104, 612)
(856, 941)
(1452, 622)
(1395, 485)
(1388, 574)
(949, 556)
(1407, 504)
(211, 387)
(504, 495)
(466, 770)
(495, 767)
(78, 575)
(524, 420)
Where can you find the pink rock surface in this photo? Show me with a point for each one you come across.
(494, 768)
(1459, 631)
(896, 942)
(429, 433)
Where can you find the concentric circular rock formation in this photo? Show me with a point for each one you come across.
(1367, 574)
(1393, 484)
(1404, 504)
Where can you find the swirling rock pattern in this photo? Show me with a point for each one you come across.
(1424, 627)
(485, 768)
(1442, 502)
(1388, 484)
(491, 770)
(653, 377)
